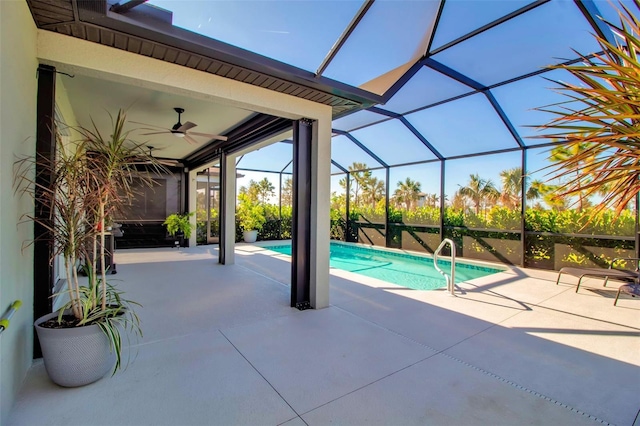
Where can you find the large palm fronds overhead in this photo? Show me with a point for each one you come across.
(602, 116)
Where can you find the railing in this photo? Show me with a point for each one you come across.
(4, 322)
(451, 279)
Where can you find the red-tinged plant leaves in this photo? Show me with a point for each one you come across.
(603, 114)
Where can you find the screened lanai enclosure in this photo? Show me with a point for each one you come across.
(444, 153)
(436, 107)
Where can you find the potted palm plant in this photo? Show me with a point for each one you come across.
(90, 180)
(179, 227)
(250, 217)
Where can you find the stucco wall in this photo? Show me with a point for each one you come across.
(18, 87)
(64, 108)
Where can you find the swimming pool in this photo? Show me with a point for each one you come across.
(416, 272)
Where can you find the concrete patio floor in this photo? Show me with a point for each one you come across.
(222, 346)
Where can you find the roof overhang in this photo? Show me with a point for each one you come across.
(147, 30)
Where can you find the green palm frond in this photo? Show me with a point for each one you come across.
(599, 123)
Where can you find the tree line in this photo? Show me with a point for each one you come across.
(478, 195)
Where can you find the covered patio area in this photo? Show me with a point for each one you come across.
(222, 346)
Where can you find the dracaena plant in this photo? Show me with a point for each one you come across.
(89, 180)
(115, 162)
(600, 121)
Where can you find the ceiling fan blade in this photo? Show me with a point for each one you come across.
(140, 162)
(169, 162)
(186, 126)
(190, 139)
(209, 135)
(156, 133)
(151, 125)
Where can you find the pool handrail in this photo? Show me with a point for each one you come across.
(451, 279)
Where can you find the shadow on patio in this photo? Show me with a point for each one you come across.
(222, 346)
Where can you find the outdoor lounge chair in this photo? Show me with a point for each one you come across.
(632, 289)
(625, 275)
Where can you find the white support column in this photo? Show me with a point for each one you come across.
(229, 210)
(192, 175)
(320, 223)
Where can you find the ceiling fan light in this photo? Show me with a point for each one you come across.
(179, 134)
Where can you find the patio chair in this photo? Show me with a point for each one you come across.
(631, 289)
(625, 275)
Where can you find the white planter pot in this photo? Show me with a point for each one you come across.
(250, 236)
(74, 356)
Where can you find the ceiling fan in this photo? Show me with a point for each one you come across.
(163, 161)
(181, 130)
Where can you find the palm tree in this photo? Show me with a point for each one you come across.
(360, 175)
(511, 187)
(432, 200)
(600, 121)
(578, 151)
(407, 193)
(373, 190)
(537, 189)
(480, 192)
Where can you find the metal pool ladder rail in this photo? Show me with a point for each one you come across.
(451, 279)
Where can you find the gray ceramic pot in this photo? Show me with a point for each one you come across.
(74, 356)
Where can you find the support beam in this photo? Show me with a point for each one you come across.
(442, 197)
(338, 165)
(361, 146)
(191, 188)
(505, 119)
(126, 6)
(399, 84)
(320, 211)
(523, 209)
(451, 73)
(280, 205)
(344, 36)
(436, 27)
(387, 227)
(409, 126)
(347, 228)
(591, 12)
(227, 216)
(488, 26)
(301, 233)
(421, 138)
(45, 153)
(311, 193)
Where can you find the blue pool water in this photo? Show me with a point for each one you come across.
(407, 270)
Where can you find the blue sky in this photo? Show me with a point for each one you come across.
(302, 32)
